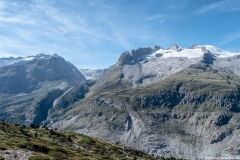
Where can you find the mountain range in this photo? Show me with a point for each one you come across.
(29, 86)
(181, 102)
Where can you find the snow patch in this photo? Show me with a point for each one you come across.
(11, 60)
(189, 53)
(28, 58)
(220, 53)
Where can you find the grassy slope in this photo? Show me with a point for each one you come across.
(53, 144)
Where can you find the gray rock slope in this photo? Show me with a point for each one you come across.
(189, 109)
(29, 88)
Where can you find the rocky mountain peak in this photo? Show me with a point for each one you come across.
(193, 46)
(176, 48)
(156, 47)
(133, 56)
(55, 55)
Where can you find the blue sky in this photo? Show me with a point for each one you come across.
(93, 33)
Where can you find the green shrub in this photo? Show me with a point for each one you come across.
(57, 154)
(60, 149)
(69, 138)
(2, 147)
(38, 158)
(22, 145)
(39, 147)
(117, 142)
(32, 126)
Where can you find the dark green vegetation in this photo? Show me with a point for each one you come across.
(53, 144)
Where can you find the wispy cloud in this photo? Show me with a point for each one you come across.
(219, 7)
(82, 30)
(230, 37)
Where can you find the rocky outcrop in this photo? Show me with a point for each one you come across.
(42, 107)
(176, 48)
(70, 97)
(15, 154)
(220, 135)
(134, 56)
(208, 57)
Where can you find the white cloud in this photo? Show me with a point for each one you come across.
(75, 29)
(22, 19)
(219, 7)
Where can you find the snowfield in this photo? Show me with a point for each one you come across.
(190, 53)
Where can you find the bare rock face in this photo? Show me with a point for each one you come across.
(15, 154)
(220, 135)
(156, 47)
(134, 56)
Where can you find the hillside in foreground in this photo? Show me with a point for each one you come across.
(47, 144)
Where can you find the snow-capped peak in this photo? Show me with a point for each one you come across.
(195, 51)
(219, 52)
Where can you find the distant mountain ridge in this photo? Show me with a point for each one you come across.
(91, 74)
(31, 85)
(11, 60)
(181, 102)
(146, 65)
